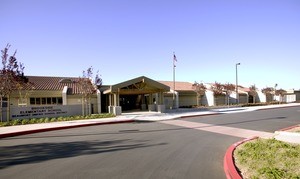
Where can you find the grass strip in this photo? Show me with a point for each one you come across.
(268, 158)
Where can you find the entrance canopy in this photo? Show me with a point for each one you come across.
(141, 86)
(137, 86)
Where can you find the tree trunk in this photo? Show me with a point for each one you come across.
(89, 106)
(1, 109)
(82, 105)
(8, 109)
(228, 100)
(200, 103)
(216, 100)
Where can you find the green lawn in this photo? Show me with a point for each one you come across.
(268, 158)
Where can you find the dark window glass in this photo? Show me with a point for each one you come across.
(4, 102)
(49, 101)
(32, 101)
(38, 101)
(53, 100)
(59, 100)
(43, 100)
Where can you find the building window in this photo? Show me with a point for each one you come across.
(32, 101)
(37, 101)
(59, 101)
(43, 101)
(53, 100)
(4, 102)
(46, 101)
(49, 101)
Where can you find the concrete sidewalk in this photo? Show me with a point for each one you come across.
(128, 117)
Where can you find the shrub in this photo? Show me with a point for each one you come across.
(6, 124)
(40, 120)
(33, 121)
(16, 122)
(53, 119)
(25, 121)
(46, 120)
(60, 119)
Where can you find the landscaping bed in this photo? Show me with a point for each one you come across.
(268, 158)
(54, 119)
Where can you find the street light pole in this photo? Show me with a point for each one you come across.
(236, 82)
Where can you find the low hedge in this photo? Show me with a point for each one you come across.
(57, 119)
(262, 104)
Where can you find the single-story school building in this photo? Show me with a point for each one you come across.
(63, 96)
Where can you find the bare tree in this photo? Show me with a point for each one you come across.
(24, 91)
(11, 77)
(88, 88)
(200, 89)
(253, 92)
(228, 89)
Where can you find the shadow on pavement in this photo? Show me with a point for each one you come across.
(34, 153)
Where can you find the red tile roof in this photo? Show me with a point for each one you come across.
(55, 83)
(179, 86)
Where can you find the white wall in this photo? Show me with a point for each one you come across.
(289, 98)
(208, 98)
(261, 97)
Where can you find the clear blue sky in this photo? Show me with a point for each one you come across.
(124, 39)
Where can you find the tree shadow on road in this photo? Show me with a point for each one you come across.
(33, 153)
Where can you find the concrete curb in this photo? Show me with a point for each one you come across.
(288, 128)
(229, 166)
(276, 107)
(198, 115)
(18, 133)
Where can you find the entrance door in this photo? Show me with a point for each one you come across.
(130, 102)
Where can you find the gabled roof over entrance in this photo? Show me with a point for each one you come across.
(140, 85)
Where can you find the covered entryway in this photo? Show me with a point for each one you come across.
(140, 93)
(133, 102)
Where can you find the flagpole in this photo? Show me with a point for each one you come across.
(174, 58)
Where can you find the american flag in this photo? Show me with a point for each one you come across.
(174, 59)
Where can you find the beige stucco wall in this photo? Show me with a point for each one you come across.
(168, 100)
(220, 100)
(15, 96)
(71, 99)
(243, 98)
(187, 99)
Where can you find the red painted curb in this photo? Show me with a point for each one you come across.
(229, 166)
(13, 134)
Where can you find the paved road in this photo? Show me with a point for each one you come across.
(188, 148)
